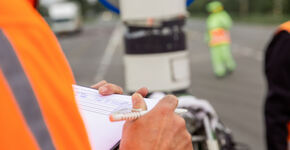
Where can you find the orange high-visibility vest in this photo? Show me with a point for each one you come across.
(37, 105)
(285, 27)
(219, 36)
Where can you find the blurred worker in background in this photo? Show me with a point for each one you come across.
(277, 106)
(37, 104)
(218, 37)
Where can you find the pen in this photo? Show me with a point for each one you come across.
(135, 115)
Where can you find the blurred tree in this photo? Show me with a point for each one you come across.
(286, 7)
(244, 7)
(277, 7)
(231, 6)
(198, 7)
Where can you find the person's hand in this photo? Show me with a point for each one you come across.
(107, 88)
(159, 129)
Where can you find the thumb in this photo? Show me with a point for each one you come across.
(138, 102)
(166, 104)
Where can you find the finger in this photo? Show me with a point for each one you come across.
(109, 89)
(143, 91)
(167, 104)
(182, 136)
(138, 102)
(99, 84)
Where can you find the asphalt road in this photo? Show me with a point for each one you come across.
(97, 53)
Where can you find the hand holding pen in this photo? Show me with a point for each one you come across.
(161, 128)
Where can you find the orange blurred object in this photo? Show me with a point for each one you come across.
(288, 132)
(285, 27)
(33, 53)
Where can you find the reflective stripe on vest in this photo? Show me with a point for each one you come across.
(23, 93)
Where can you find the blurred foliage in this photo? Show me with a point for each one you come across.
(286, 5)
(235, 6)
(257, 11)
(240, 9)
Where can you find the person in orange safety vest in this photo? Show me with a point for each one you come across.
(218, 38)
(277, 105)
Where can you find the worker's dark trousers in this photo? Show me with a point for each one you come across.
(277, 105)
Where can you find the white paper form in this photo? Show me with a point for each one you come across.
(95, 110)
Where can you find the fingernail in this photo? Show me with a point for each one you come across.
(139, 96)
(103, 90)
(137, 99)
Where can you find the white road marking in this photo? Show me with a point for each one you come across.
(247, 52)
(105, 62)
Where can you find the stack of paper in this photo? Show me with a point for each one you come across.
(95, 110)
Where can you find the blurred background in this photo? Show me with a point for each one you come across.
(91, 38)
